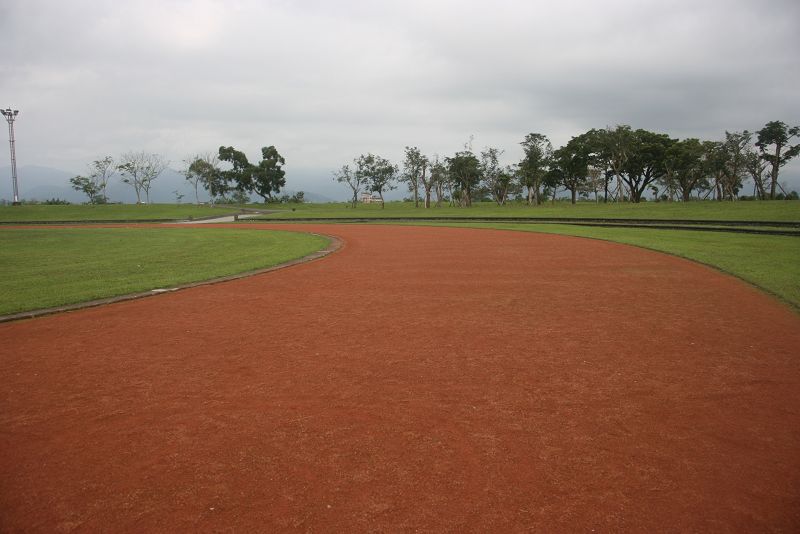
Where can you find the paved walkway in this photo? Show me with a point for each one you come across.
(226, 219)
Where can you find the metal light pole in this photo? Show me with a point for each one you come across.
(10, 117)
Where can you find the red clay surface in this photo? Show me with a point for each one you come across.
(420, 379)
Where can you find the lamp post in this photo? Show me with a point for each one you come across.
(10, 117)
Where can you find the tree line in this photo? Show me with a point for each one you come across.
(618, 164)
(226, 175)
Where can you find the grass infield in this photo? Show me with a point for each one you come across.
(110, 212)
(57, 266)
(769, 262)
(708, 210)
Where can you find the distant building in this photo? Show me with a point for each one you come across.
(369, 198)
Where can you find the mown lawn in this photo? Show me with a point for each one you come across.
(110, 212)
(709, 210)
(44, 267)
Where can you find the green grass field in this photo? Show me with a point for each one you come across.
(769, 262)
(110, 212)
(709, 210)
(48, 267)
(723, 211)
(57, 266)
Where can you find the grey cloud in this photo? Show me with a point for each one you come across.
(325, 81)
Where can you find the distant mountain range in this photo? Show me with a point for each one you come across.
(43, 183)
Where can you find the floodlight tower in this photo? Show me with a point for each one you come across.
(10, 117)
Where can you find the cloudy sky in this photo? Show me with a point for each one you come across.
(327, 81)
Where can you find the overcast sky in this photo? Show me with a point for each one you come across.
(327, 81)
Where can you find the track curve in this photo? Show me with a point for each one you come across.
(419, 379)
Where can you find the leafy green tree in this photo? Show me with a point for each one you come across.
(94, 183)
(684, 168)
(735, 150)
(194, 179)
(756, 166)
(600, 171)
(570, 166)
(240, 172)
(773, 143)
(507, 184)
(198, 171)
(101, 171)
(130, 173)
(203, 171)
(616, 145)
(87, 186)
(440, 179)
(378, 173)
(240, 197)
(534, 165)
(714, 162)
(268, 177)
(415, 169)
(140, 170)
(645, 161)
(354, 180)
(265, 179)
(495, 179)
(464, 171)
(596, 180)
(552, 181)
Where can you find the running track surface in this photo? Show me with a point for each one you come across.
(420, 379)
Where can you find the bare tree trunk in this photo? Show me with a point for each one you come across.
(774, 174)
(620, 190)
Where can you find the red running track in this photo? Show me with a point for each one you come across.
(420, 379)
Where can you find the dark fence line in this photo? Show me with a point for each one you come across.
(778, 227)
(708, 222)
(663, 224)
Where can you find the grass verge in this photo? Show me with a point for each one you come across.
(696, 210)
(57, 266)
(768, 262)
(110, 212)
